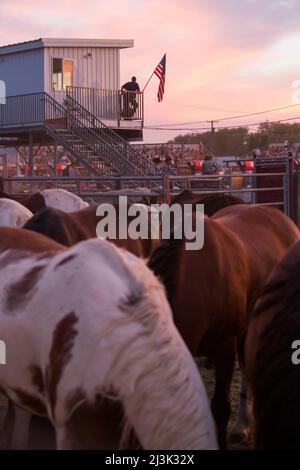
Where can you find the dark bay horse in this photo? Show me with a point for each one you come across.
(33, 202)
(273, 339)
(212, 290)
(212, 202)
(71, 228)
(92, 346)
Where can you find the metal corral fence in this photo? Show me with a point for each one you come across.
(274, 182)
(97, 188)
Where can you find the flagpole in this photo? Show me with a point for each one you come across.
(148, 81)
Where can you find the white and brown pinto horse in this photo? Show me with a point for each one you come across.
(57, 198)
(62, 199)
(13, 214)
(91, 344)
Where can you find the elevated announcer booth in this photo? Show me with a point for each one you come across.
(66, 92)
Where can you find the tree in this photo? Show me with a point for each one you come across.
(225, 141)
(240, 141)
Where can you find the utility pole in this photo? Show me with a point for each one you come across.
(212, 131)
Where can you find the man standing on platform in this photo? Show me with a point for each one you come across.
(130, 104)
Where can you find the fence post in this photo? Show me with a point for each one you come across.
(285, 194)
(5, 173)
(289, 172)
(31, 156)
(166, 189)
(287, 186)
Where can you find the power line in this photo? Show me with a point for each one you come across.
(220, 127)
(260, 112)
(231, 117)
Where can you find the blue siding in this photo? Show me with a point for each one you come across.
(23, 72)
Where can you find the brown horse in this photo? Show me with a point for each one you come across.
(212, 202)
(33, 202)
(271, 368)
(212, 290)
(71, 228)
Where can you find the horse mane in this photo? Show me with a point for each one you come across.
(277, 379)
(164, 262)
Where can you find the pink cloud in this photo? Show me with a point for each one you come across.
(211, 47)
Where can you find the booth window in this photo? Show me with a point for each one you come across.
(68, 73)
(62, 73)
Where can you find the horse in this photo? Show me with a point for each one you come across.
(59, 226)
(212, 290)
(213, 202)
(91, 345)
(62, 199)
(33, 202)
(273, 374)
(71, 228)
(57, 198)
(13, 214)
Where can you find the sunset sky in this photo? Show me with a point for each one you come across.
(224, 57)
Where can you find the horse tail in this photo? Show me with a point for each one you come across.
(165, 401)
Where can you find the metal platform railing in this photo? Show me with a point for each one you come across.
(110, 104)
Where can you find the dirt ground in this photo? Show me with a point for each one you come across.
(208, 378)
(209, 381)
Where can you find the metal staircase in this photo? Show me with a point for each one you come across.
(89, 140)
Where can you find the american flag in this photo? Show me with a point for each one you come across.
(160, 72)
